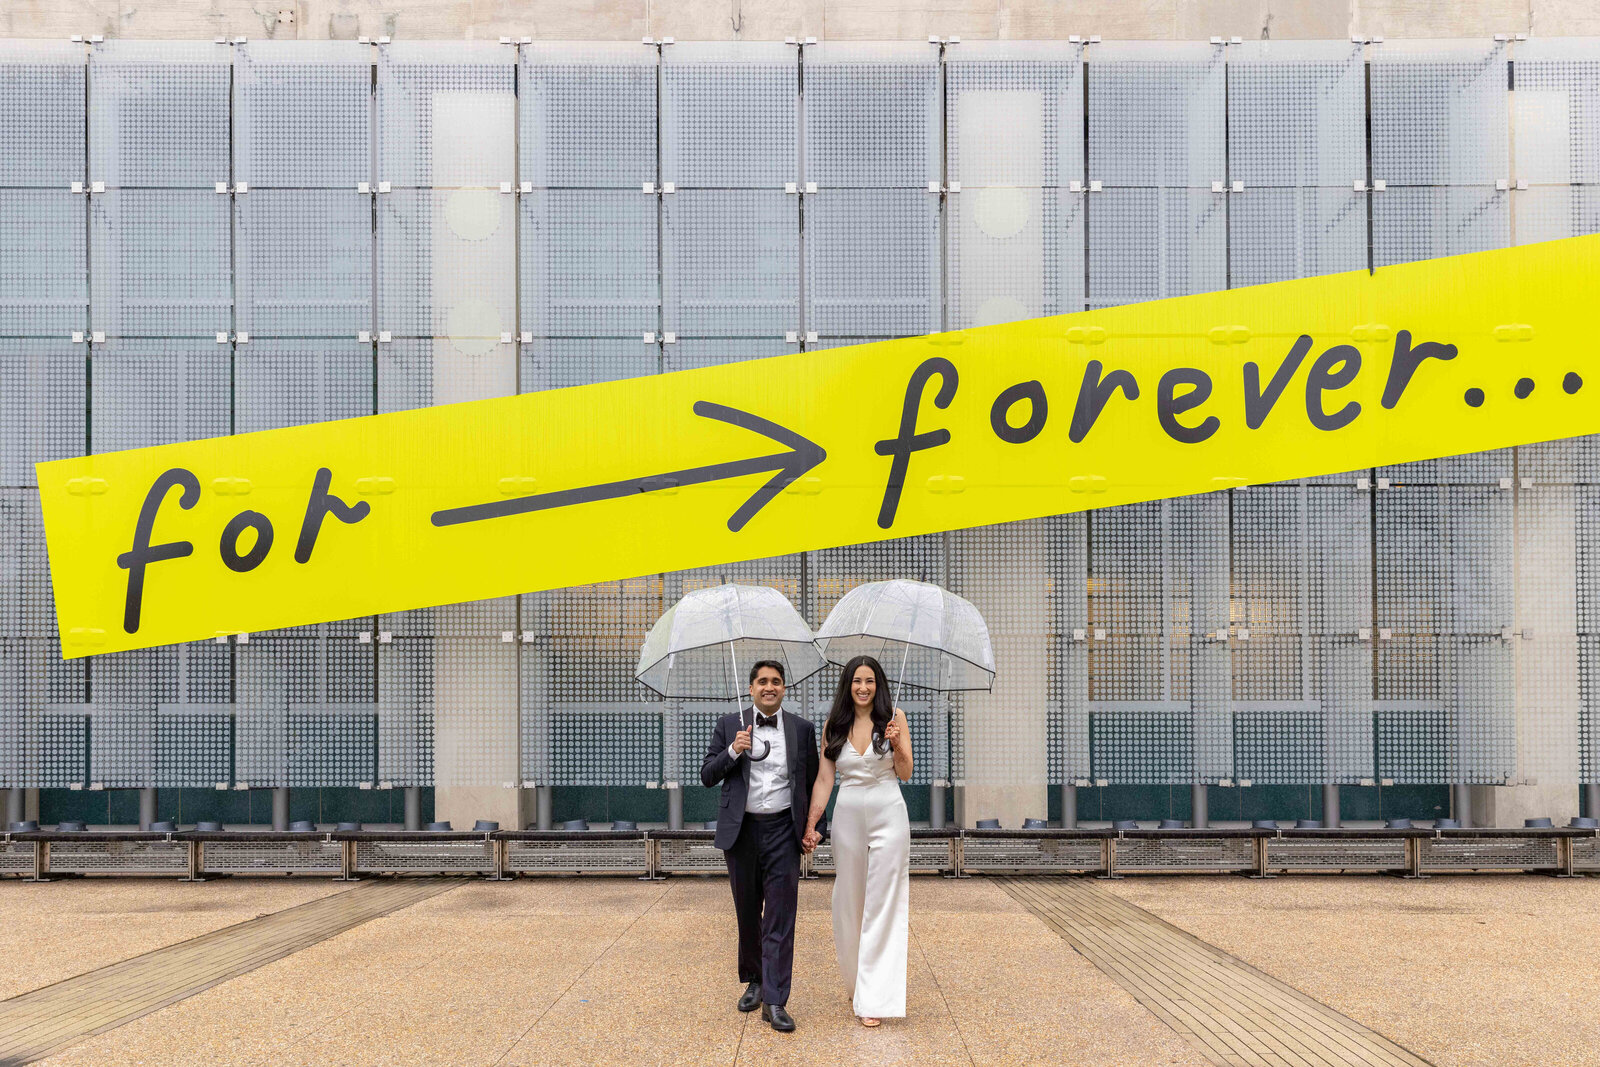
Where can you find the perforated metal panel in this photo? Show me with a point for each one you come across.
(161, 263)
(872, 262)
(445, 265)
(730, 115)
(1439, 112)
(42, 93)
(1296, 114)
(146, 392)
(42, 406)
(306, 713)
(1555, 120)
(587, 115)
(1156, 114)
(559, 362)
(714, 351)
(1274, 234)
(590, 263)
(161, 716)
(1488, 853)
(1152, 243)
(1159, 674)
(304, 263)
(271, 857)
(731, 262)
(1435, 221)
(446, 114)
(872, 115)
(159, 115)
(1444, 595)
(292, 383)
(1186, 854)
(44, 287)
(303, 114)
(582, 857)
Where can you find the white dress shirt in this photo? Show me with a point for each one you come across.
(768, 779)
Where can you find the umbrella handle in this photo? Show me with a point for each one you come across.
(766, 745)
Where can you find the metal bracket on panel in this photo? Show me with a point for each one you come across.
(385, 637)
(508, 187)
(222, 187)
(1095, 187)
(1505, 483)
(223, 787)
(1099, 634)
(1506, 634)
(243, 337)
(1385, 633)
(1244, 783)
(669, 338)
(791, 187)
(1244, 633)
(811, 336)
(384, 187)
(1238, 186)
(505, 337)
(364, 637)
(1074, 186)
(527, 337)
(527, 637)
(364, 785)
(364, 336)
(791, 337)
(1526, 482)
(363, 187)
(811, 187)
(1080, 635)
(97, 187)
(1379, 185)
(77, 337)
(383, 40)
(98, 337)
(241, 187)
(953, 187)
(1358, 186)
(933, 187)
(385, 337)
(526, 187)
(647, 187)
(1364, 634)
(649, 337)
(669, 187)
(222, 337)
(1216, 187)
(507, 637)
(241, 787)
(1226, 783)
(241, 639)
(1363, 483)
(1383, 483)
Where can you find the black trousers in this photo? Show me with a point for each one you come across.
(764, 868)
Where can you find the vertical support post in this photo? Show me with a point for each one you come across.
(674, 807)
(347, 861)
(1330, 805)
(41, 862)
(936, 795)
(546, 806)
(280, 808)
(1463, 803)
(1069, 806)
(147, 808)
(1591, 795)
(413, 807)
(15, 806)
(1199, 802)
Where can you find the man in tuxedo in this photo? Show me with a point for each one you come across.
(766, 795)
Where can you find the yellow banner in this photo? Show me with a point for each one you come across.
(493, 497)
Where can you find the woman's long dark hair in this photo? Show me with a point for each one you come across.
(843, 713)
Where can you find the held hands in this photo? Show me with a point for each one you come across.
(810, 842)
(741, 741)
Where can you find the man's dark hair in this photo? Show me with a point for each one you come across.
(774, 664)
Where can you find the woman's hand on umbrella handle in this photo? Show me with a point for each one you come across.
(741, 741)
(891, 733)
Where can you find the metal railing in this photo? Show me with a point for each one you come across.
(650, 854)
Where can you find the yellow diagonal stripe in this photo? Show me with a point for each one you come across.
(1001, 423)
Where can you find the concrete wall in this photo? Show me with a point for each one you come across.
(839, 20)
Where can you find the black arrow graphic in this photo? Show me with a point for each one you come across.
(803, 454)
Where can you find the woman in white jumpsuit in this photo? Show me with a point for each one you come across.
(867, 748)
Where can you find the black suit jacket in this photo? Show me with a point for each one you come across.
(800, 737)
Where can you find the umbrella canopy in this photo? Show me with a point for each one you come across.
(921, 634)
(702, 648)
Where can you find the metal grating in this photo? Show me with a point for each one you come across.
(581, 857)
(1489, 853)
(420, 857)
(1186, 854)
(119, 857)
(271, 857)
(1341, 854)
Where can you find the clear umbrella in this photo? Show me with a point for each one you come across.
(922, 635)
(695, 649)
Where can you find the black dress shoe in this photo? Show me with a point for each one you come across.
(752, 997)
(778, 1016)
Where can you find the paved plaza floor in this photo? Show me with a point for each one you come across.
(1309, 970)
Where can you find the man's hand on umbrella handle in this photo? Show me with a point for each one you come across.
(741, 741)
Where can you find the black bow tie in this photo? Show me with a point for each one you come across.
(766, 720)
